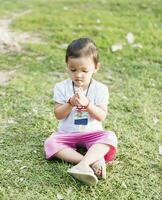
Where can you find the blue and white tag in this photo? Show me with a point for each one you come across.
(81, 118)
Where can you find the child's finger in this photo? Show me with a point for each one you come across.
(81, 89)
(78, 101)
(77, 90)
(81, 95)
(76, 95)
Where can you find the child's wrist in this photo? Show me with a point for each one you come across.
(69, 102)
(83, 108)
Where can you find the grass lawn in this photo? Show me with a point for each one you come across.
(133, 76)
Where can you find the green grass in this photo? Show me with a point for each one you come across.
(134, 80)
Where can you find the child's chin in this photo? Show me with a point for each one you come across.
(79, 83)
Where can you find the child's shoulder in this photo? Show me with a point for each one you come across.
(99, 85)
(63, 83)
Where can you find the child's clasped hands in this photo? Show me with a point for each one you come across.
(79, 100)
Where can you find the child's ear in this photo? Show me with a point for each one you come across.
(97, 67)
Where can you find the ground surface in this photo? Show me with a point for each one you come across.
(32, 50)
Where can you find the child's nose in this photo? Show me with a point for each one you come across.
(79, 74)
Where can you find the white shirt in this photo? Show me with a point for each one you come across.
(97, 94)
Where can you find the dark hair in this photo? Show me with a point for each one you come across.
(82, 47)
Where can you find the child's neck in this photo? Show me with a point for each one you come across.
(84, 87)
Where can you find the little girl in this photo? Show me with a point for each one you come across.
(81, 106)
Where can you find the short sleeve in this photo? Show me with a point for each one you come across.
(102, 96)
(59, 95)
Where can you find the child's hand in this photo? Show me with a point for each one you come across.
(74, 102)
(80, 98)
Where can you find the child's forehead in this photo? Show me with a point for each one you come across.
(81, 61)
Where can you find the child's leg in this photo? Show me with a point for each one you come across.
(69, 155)
(94, 153)
(99, 145)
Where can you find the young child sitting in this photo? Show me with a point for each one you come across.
(81, 106)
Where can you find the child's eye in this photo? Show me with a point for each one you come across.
(73, 70)
(85, 71)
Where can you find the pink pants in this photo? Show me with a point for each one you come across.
(58, 141)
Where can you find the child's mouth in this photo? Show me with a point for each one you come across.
(78, 80)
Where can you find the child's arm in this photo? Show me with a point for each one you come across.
(97, 112)
(62, 110)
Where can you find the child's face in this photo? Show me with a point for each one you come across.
(81, 70)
